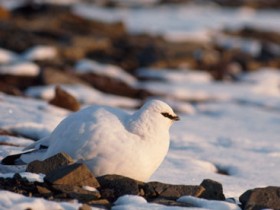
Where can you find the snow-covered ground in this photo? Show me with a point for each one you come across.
(177, 22)
(237, 132)
(232, 127)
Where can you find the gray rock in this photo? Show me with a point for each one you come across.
(50, 164)
(261, 198)
(78, 193)
(169, 191)
(213, 190)
(76, 174)
(114, 186)
(167, 202)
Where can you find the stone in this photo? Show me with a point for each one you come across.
(167, 202)
(261, 198)
(100, 203)
(4, 14)
(75, 174)
(50, 164)
(43, 191)
(85, 207)
(114, 186)
(213, 190)
(65, 100)
(78, 193)
(169, 191)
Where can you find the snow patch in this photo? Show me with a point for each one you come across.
(115, 72)
(208, 204)
(22, 68)
(40, 52)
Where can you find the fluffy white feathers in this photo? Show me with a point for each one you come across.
(111, 141)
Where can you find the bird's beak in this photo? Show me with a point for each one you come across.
(175, 118)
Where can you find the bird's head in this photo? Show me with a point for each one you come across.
(154, 116)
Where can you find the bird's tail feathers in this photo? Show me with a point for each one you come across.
(15, 159)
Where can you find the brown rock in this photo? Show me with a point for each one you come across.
(261, 198)
(18, 82)
(43, 191)
(75, 174)
(65, 100)
(170, 192)
(213, 190)
(78, 193)
(100, 203)
(50, 164)
(114, 186)
(4, 14)
(85, 207)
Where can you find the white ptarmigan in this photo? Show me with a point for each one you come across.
(111, 141)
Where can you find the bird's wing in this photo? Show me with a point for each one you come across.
(28, 154)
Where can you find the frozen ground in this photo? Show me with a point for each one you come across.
(232, 127)
(235, 129)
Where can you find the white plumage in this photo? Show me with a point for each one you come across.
(111, 141)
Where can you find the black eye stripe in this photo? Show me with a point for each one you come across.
(166, 114)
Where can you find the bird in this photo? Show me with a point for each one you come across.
(110, 140)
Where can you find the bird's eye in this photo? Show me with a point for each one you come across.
(171, 117)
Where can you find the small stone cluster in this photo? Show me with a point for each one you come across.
(67, 180)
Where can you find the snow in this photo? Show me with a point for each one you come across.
(209, 204)
(28, 117)
(169, 75)
(130, 202)
(7, 56)
(238, 132)
(40, 52)
(9, 200)
(84, 95)
(21, 68)
(226, 126)
(91, 66)
(182, 22)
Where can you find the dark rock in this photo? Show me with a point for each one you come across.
(78, 193)
(170, 192)
(167, 202)
(10, 89)
(4, 132)
(261, 198)
(50, 164)
(114, 186)
(18, 83)
(213, 190)
(65, 100)
(75, 174)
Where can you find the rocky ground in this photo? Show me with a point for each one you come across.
(76, 38)
(66, 180)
